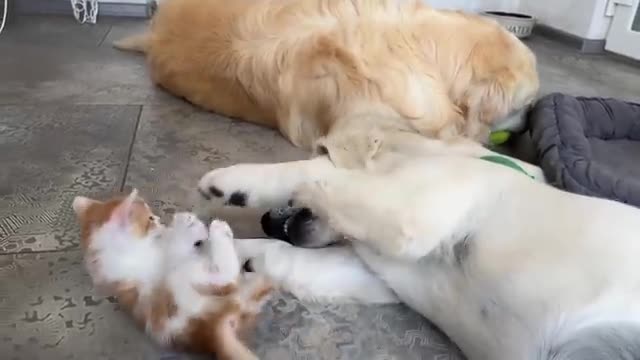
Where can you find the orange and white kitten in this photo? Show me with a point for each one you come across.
(183, 282)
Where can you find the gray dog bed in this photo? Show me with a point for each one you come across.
(589, 146)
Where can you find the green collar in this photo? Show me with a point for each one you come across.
(498, 138)
(506, 162)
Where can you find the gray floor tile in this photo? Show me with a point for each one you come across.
(36, 74)
(177, 144)
(565, 70)
(49, 310)
(59, 31)
(48, 154)
(121, 28)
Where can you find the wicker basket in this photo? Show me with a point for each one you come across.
(520, 25)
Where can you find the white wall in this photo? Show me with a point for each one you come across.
(475, 5)
(584, 18)
(599, 24)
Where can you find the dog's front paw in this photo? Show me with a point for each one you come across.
(312, 195)
(231, 185)
(245, 185)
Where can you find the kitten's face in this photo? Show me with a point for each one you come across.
(117, 239)
(128, 214)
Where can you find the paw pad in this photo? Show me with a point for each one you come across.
(238, 198)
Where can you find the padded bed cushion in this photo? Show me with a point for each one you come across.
(589, 146)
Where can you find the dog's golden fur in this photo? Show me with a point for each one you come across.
(308, 67)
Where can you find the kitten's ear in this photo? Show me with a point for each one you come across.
(82, 203)
(122, 213)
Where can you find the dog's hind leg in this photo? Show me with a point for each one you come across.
(332, 274)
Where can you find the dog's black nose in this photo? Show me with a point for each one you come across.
(274, 222)
(299, 225)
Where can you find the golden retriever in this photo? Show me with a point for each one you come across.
(508, 267)
(331, 68)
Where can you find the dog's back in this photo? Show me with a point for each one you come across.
(300, 66)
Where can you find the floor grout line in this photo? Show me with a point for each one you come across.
(130, 153)
(105, 35)
(50, 251)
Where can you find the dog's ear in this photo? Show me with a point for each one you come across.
(339, 152)
(350, 150)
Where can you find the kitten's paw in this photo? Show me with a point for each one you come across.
(184, 219)
(219, 229)
(187, 225)
(244, 185)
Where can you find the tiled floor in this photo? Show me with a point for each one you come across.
(78, 117)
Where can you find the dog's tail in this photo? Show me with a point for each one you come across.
(138, 43)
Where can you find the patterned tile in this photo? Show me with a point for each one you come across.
(49, 310)
(48, 154)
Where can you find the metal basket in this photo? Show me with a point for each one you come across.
(521, 25)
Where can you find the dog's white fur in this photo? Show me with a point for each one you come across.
(508, 267)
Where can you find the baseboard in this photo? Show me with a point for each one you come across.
(63, 7)
(587, 46)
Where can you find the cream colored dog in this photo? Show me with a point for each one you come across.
(508, 267)
(333, 68)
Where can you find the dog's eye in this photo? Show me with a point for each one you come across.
(151, 218)
(197, 243)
